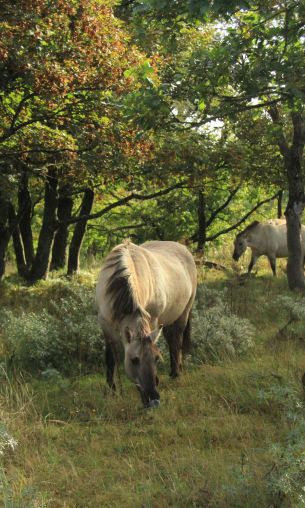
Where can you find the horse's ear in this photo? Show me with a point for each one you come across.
(155, 334)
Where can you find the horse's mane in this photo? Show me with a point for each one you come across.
(249, 228)
(122, 285)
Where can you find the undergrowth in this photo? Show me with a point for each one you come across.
(62, 336)
(229, 433)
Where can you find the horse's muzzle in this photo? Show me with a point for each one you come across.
(153, 404)
(150, 401)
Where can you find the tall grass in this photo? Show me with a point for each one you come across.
(229, 432)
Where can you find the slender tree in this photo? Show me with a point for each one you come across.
(64, 212)
(41, 263)
(79, 232)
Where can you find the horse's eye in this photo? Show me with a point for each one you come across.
(135, 360)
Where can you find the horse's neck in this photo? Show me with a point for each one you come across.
(144, 325)
(140, 277)
(253, 235)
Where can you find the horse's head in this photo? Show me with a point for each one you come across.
(240, 245)
(141, 357)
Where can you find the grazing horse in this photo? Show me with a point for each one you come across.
(264, 239)
(140, 289)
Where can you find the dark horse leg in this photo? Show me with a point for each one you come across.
(186, 342)
(110, 357)
(254, 258)
(272, 261)
(178, 338)
(174, 344)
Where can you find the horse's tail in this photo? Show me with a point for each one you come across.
(186, 341)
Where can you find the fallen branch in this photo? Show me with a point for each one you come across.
(215, 266)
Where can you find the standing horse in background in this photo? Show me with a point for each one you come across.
(140, 289)
(265, 239)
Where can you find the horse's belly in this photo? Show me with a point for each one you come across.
(170, 316)
(174, 309)
(282, 251)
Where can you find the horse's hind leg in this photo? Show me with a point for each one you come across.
(110, 358)
(186, 342)
(178, 339)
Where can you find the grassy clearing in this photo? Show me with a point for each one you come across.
(219, 438)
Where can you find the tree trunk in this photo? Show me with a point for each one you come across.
(280, 204)
(25, 211)
(293, 158)
(4, 231)
(4, 239)
(296, 203)
(17, 241)
(201, 222)
(79, 232)
(295, 269)
(41, 262)
(64, 212)
(294, 210)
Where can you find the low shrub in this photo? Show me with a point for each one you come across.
(65, 336)
(7, 442)
(293, 311)
(217, 333)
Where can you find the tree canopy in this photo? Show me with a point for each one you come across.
(106, 103)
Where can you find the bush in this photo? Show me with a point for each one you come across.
(293, 310)
(217, 333)
(65, 336)
(6, 440)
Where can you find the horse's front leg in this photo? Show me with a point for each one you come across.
(110, 359)
(254, 258)
(173, 337)
(272, 261)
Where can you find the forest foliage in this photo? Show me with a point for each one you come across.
(150, 119)
(131, 119)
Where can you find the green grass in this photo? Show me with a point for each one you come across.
(212, 443)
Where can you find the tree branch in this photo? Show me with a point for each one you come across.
(24, 99)
(223, 206)
(123, 201)
(237, 108)
(243, 219)
(120, 228)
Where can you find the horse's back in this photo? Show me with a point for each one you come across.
(172, 257)
(170, 249)
(174, 276)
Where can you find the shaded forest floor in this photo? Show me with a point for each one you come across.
(226, 435)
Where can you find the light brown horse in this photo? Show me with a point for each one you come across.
(140, 289)
(265, 239)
